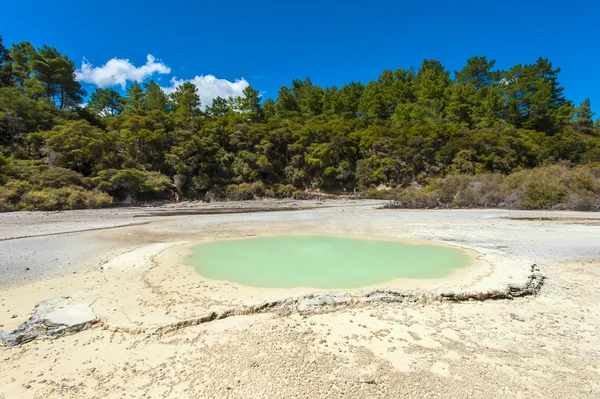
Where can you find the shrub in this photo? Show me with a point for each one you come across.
(541, 188)
(241, 192)
(258, 189)
(130, 182)
(417, 197)
(59, 177)
(483, 191)
(98, 199)
(549, 187)
(43, 200)
(284, 190)
(71, 197)
(215, 193)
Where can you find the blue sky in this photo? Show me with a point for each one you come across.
(268, 43)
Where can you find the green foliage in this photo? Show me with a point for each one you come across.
(154, 98)
(6, 79)
(131, 183)
(64, 198)
(106, 102)
(185, 100)
(484, 138)
(20, 115)
(134, 103)
(76, 145)
(46, 73)
(31, 185)
(549, 187)
(219, 107)
(286, 102)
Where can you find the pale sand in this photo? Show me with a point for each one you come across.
(138, 282)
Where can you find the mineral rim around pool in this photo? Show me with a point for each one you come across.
(322, 261)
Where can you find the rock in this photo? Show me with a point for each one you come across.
(51, 318)
(516, 317)
(388, 296)
(322, 301)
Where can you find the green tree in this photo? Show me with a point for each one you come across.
(250, 103)
(477, 72)
(220, 106)
(371, 105)
(269, 108)
(348, 100)
(286, 102)
(463, 99)
(20, 55)
(6, 79)
(21, 115)
(56, 73)
(584, 114)
(533, 97)
(106, 102)
(134, 103)
(76, 145)
(309, 98)
(431, 86)
(186, 101)
(155, 98)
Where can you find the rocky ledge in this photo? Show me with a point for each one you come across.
(51, 318)
(320, 302)
(59, 316)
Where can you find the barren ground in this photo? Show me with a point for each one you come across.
(126, 265)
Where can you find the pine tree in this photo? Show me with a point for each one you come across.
(583, 114)
(155, 98)
(286, 102)
(477, 72)
(106, 102)
(6, 79)
(134, 104)
(251, 103)
(185, 100)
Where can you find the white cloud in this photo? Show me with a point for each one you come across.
(210, 87)
(118, 71)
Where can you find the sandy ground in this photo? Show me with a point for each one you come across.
(127, 265)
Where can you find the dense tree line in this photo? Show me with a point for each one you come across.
(405, 128)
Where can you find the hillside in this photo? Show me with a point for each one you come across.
(423, 136)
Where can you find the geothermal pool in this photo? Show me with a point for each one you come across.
(322, 261)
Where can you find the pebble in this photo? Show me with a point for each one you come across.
(516, 317)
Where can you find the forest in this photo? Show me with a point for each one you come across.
(423, 137)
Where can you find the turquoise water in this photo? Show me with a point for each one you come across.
(322, 261)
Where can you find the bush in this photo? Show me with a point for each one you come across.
(549, 187)
(43, 200)
(98, 199)
(283, 190)
(64, 198)
(131, 182)
(539, 188)
(583, 201)
(241, 192)
(215, 193)
(486, 190)
(258, 189)
(417, 197)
